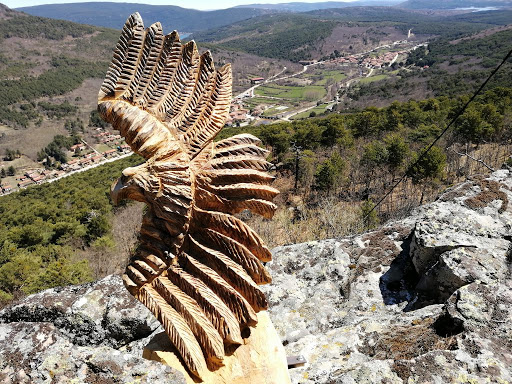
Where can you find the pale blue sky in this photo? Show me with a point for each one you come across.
(196, 4)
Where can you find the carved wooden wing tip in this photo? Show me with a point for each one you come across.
(183, 96)
(197, 266)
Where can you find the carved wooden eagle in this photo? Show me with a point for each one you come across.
(197, 267)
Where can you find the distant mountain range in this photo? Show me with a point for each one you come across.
(307, 7)
(456, 4)
(113, 15)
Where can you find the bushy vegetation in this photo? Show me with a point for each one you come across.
(488, 50)
(95, 120)
(31, 27)
(66, 74)
(446, 67)
(355, 150)
(347, 162)
(291, 37)
(419, 23)
(43, 226)
(55, 151)
(57, 110)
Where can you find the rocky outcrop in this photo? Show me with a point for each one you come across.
(427, 299)
(91, 333)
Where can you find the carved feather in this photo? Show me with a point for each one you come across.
(197, 267)
(176, 327)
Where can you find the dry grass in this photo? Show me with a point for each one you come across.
(408, 342)
(344, 36)
(112, 257)
(291, 225)
(489, 191)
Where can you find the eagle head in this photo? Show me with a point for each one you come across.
(133, 184)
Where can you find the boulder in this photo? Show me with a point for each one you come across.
(92, 333)
(426, 299)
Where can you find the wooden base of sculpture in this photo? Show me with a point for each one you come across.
(261, 360)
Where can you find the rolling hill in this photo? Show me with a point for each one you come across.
(306, 7)
(312, 35)
(284, 36)
(453, 4)
(113, 15)
(50, 73)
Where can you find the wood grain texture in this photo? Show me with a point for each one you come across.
(197, 267)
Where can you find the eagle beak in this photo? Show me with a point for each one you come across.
(117, 191)
(126, 188)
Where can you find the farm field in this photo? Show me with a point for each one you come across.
(322, 77)
(371, 79)
(274, 110)
(291, 93)
(317, 110)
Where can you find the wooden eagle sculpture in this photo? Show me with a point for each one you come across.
(197, 267)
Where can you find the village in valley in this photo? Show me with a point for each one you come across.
(107, 146)
(318, 88)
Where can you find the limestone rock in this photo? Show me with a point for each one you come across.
(80, 333)
(427, 299)
(423, 300)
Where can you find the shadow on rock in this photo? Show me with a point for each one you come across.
(398, 284)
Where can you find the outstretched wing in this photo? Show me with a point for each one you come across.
(184, 98)
(197, 267)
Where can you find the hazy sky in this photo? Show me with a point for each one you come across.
(197, 4)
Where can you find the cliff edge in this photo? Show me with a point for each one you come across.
(427, 299)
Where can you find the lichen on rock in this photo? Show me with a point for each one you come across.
(426, 299)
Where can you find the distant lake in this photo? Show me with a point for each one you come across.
(476, 9)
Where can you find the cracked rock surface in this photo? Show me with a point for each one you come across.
(92, 333)
(427, 299)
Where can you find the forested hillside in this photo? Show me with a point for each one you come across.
(376, 117)
(303, 36)
(62, 233)
(332, 170)
(113, 15)
(297, 6)
(445, 67)
(50, 73)
(291, 37)
(66, 232)
(452, 4)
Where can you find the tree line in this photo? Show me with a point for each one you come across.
(357, 155)
(65, 75)
(44, 226)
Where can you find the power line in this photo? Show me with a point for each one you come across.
(462, 110)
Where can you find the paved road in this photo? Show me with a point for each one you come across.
(286, 117)
(73, 172)
(89, 167)
(250, 92)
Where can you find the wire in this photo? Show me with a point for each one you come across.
(462, 110)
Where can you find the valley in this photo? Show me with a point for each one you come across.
(345, 99)
(320, 86)
(370, 183)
